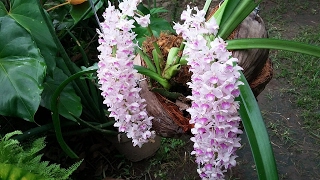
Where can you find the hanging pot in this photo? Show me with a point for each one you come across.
(170, 118)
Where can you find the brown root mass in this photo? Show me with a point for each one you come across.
(165, 41)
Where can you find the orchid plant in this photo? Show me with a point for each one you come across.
(219, 89)
(220, 92)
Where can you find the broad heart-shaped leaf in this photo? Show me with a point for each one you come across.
(22, 70)
(27, 14)
(69, 102)
(2, 10)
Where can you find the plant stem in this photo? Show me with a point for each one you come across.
(39, 130)
(80, 86)
(98, 128)
(160, 61)
(92, 87)
(182, 46)
(154, 3)
(95, 14)
(207, 5)
(52, 8)
(76, 23)
(55, 112)
(154, 43)
(84, 56)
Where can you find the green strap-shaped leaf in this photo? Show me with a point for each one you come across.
(27, 14)
(142, 70)
(22, 70)
(69, 101)
(257, 133)
(234, 12)
(279, 44)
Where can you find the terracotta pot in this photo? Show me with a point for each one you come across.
(133, 153)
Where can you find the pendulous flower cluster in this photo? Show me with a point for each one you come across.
(116, 73)
(214, 85)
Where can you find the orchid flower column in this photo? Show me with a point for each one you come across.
(214, 85)
(116, 73)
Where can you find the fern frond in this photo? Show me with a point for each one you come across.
(71, 169)
(37, 146)
(9, 135)
(29, 159)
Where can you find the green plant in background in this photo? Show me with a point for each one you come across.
(303, 75)
(167, 157)
(17, 162)
(36, 65)
(37, 69)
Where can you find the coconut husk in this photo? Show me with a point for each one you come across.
(170, 118)
(167, 115)
(264, 77)
(252, 60)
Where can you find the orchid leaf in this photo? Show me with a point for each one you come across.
(143, 9)
(220, 13)
(22, 70)
(153, 75)
(264, 43)
(234, 13)
(226, 8)
(171, 71)
(257, 133)
(156, 60)
(147, 60)
(172, 56)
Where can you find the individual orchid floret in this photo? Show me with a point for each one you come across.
(116, 75)
(144, 21)
(129, 6)
(214, 84)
